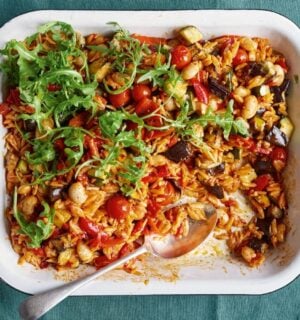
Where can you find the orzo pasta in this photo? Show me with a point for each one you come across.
(104, 131)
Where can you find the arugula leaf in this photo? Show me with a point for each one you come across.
(123, 56)
(39, 231)
(111, 122)
(44, 153)
(33, 70)
(224, 120)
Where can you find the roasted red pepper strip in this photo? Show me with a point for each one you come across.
(4, 109)
(149, 40)
(262, 182)
(200, 90)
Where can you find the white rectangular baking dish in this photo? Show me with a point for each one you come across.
(208, 270)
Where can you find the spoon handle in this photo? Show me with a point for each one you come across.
(37, 305)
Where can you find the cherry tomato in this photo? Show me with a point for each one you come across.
(121, 99)
(117, 207)
(145, 106)
(279, 153)
(241, 57)
(262, 182)
(181, 56)
(140, 91)
(88, 226)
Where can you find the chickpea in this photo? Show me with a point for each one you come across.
(191, 70)
(28, 205)
(250, 107)
(278, 79)
(48, 124)
(77, 193)
(248, 253)
(84, 252)
(24, 189)
(241, 92)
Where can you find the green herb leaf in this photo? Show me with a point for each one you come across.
(39, 231)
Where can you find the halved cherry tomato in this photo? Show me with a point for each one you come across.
(88, 226)
(241, 57)
(200, 90)
(140, 91)
(121, 99)
(279, 153)
(262, 182)
(117, 207)
(145, 106)
(149, 40)
(181, 56)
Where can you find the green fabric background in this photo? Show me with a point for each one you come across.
(282, 304)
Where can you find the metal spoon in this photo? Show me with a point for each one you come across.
(166, 247)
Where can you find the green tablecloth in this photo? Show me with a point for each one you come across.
(282, 304)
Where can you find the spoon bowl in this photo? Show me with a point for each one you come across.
(167, 247)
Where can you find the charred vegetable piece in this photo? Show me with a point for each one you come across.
(216, 191)
(55, 194)
(256, 244)
(236, 153)
(279, 92)
(264, 226)
(180, 151)
(277, 137)
(217, 88)
(30, 125)
(257, 69)
(259, 124)
(216, 169)
(263, 167)
(190, 34)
